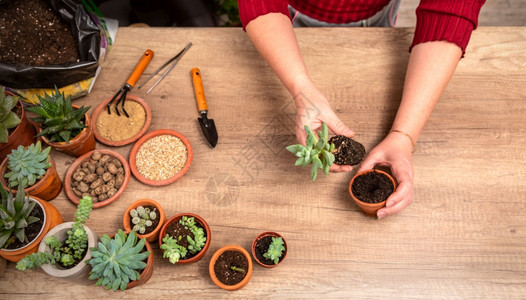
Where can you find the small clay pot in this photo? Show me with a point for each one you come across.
(150, 135)
(102, 108)
(47, 188)
(370, 209)
(199, 220)
(24, 134)
(82, 143)
(68, 180)
(80, 272)
(154, 235)
(212, 263)
(268, 234)
(52, 218)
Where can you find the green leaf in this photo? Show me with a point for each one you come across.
(314, 173)
(295, 148)
(324, 132)
(316, 162)
(299, 161)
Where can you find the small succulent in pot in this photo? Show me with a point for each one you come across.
(117, 262)
(8, 118)
(178, 247)
(275, 250)
(60, 122)
(322, 152)
(142, 218)
(69, 252)
(15, 216)
(27, 165)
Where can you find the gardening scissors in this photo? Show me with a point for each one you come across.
(172, 61)
(130, 83)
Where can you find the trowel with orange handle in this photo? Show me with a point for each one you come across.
(207, 125)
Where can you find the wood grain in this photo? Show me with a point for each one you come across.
(463, 237)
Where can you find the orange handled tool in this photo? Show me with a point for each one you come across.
(199, 90)
(208, 126)
(130, 83)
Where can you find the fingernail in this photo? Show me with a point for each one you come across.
(347, 132)
(381, 214)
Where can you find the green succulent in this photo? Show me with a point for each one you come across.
(60, 122)
(117, 261)
(142, 218)
(27, 165)
(8, 118)
(15, 216)
(316, 151)
(174, 251)
(275, 250)
(67, 252)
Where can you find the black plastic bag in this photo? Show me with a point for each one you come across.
(87, 35)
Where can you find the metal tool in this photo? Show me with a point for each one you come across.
(130, 83)
(172, 61)
(207, 125)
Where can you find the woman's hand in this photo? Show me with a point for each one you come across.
(394, 151)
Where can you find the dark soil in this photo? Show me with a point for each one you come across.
(31, 231)
(225, 261)
(347, 151)
(175, 230)
(372, 187)
(155, 222)
(262, 247)
(34, 35)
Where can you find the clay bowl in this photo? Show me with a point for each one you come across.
(148, 136)
(101, 108)
(370, 209)
(67, 181)
(263, 235)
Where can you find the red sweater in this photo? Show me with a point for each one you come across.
(437, 20)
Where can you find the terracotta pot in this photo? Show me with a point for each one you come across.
(47, 188)
(67, 180)
(82, 143)
(271, 234)
(150, 135)
(198, 219)
(370, 209)
(148, 270)
(52, 218)
(102, 108)
(80, 272)
(24, 134)
(154, 235)
(214, 259)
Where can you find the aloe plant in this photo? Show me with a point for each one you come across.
(15, 216)
(60, 122)
(27, 165)
(8, 118)
(116, 261)
(316, 151)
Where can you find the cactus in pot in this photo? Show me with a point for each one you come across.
(142, 218)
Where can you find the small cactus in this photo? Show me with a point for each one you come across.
(142, 218)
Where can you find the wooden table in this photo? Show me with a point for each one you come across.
(463, 237)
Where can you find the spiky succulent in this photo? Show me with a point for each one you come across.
(117, 261)
(8, 118)
(174, 251)
(275, 250)
(141, 218)
(71, 250)
(27, 165)
(15, 216)
(60, 122)
(316, 151)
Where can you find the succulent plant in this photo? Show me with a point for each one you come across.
(71, 250)
(141, 218)
(117, 261)
(275, 250)
(316, 151)
(174, 251)
(8, 118)
(60, 122)
(15, 216)
(27, 165)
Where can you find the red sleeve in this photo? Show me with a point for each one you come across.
(251, 9)
(451, 20)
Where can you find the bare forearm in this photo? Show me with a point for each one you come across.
(273, 36)
(430, 67)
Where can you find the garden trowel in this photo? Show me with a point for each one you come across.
(207, 125)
